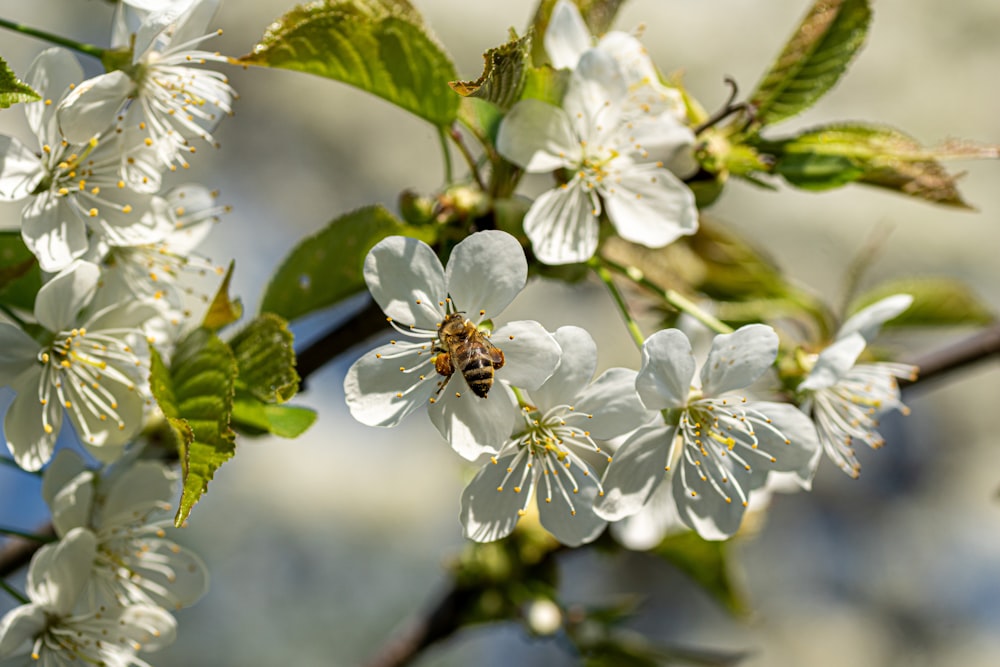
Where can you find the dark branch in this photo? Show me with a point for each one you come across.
(18, 552)
(367, 322)
(979, 347)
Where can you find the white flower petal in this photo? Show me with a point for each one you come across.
(18, 352)
(53, 232)
(490, 508)
(198, 205)
(614, 404)
(707, 495)
(538, 137)
(794, 444)
(153, 26)
(595, 95)
(60, 300)
(407, 281)
(90, 109)
(531, 354)
(665, 139)
(59, 572)
(29, 442)
(567, 36)
(646, 94)
(379, 394)
(51, 74)
(65, 465)
(637, 469)
(650, 206)
(655, 521)
(194, 23)
(577, 364)
(485, 272)
(147, 626)
(562, 225)
(19, 628)
(20, 169)
(474, 426)
(738, 359)
(72, 505)
(570, 517)
(834, 362)
(668, 365)
(868, 321)
(139, 488)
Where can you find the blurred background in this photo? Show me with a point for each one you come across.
(319, 547)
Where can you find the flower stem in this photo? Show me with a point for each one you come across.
(470, 160)
(28, 536)
(89, 49)
(446, 155)
(608, 280)
(14, 593)
(672, 297)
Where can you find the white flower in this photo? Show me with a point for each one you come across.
(718, 449)
(126, 509)
(91, 369)
(160, 93)
(101, 186)
(547, 455)
(608, 163)
(484, 274)
(845, 398)
(54, 630)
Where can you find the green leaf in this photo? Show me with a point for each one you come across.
(937, 301)
(833, 155)
(265, 357)
(327, 267)
(597, 14)
(706, 562)
(196, 397)
(224, 310)
(12, 89)
(813, 60)
(253, 417)
(20, 277)
(503, 74)
(379, 46)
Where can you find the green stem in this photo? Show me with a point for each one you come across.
(446, 155)
(470, 160)
(89, 49)
(672, 297)
(14, 593)
(28, 536)
(630, 323)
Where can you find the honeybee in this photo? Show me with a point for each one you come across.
(465, 348)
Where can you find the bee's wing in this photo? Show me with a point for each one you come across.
(496, 354)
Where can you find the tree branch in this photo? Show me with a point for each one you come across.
(978, 347)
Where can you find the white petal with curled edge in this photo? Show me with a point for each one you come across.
(90, 108)
(664, 380)
(566, 36)
(531, 354)
(485, 272)
(51, 73)
(18, 352)
(650, 206)
(595, 95)
(400, 272)
(562, 225)
(474, 426)
(833, 363)
(150, 627)
(61, 299)
(183, 583)
(614, 404)
(28, 441)
(793, 443)
(538, 137)
(145, 485)
(72, 505)
(53, 232)
(656, 520)
(65, 465)
(20, 169)
(59, 571)
(637, 468)
(738, 359)
(577, 364)
(868, 321)
(489, 507)
(702, 503)
(570, 517)
(379, 394)
(19, 627)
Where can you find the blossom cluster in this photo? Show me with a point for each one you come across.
(119, 277)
